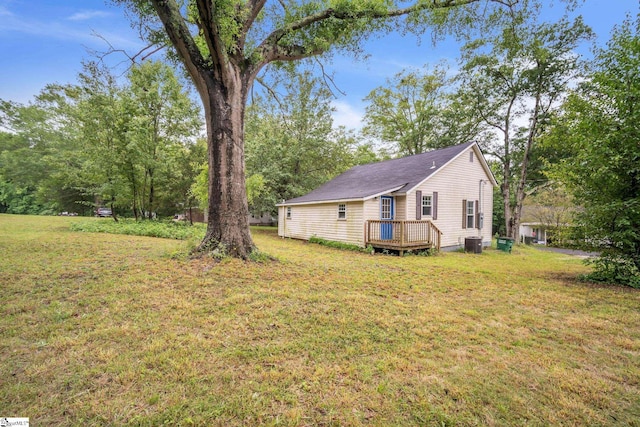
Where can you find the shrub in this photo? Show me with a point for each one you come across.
(612, 268)
(339, 245)
(163, 229)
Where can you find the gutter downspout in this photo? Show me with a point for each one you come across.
(481, 185)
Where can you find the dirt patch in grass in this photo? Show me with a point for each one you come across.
(101, 329)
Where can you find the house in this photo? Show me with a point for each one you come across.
(263, 219)
(533, 232)
(542, 224)
(431, 200)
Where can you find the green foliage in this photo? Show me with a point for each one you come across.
(416, 112)
(98, 142)
(165, 229)
(36, 166)
(423, 252)
(291, 147)
(599, 130)
(19, 200)
(255, 187)
(164, 124)
(261, 257)
(513, 83)
(614, 268)
(339, 245)
(200, 186)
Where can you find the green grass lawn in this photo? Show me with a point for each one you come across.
(102, 329)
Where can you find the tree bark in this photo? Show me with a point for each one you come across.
(151, 194)
(227, 222)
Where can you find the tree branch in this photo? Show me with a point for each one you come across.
(209, 27)
(269, 48)
(328, 80)
(269, 89)
(255, 8)
(180, 36)
(141, 55)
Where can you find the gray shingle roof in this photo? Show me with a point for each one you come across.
(361, 182)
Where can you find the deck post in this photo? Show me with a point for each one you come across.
(366, 233)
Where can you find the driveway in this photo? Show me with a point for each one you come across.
(574, 252)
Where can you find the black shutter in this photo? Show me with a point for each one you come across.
(418, 205)
(464, 214)
(477, 214)
(434, 206)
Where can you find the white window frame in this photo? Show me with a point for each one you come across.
(427, 203)
(386, 208)
(471, 213)
(288, 212)
(342, 211)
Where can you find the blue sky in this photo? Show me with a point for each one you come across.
(44, 41)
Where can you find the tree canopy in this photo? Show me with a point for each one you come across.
(101, 142)
(224, 44)
(292, 146)
(600, 132)
(513, 87)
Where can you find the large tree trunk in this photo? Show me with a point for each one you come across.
(228, 221)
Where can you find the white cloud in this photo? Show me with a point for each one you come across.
(347, 115)
(60, 30)
(89, 14)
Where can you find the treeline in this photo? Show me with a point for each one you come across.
(133, 147)
(138, 147)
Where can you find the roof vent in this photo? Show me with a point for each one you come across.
(433, 166)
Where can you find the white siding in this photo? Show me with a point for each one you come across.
(458, 181)
(372, 209)
(321, 220)
(401, 208)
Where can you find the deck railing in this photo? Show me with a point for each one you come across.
(402, 235)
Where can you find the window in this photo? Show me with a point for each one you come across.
(471, 213)
(288, 212)
(342, 211)
(386, 208)
(426, 205)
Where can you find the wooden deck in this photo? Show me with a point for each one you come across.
(402, 235)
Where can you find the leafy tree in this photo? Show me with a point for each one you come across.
(225, 44)
(187, 162)
(514, 88)
(129, 146)
(35, 143)
(133, 138)
(600, 126)
(163, 118)
(97, 106)
(416, 112)
(25, 143)
(291, 144)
